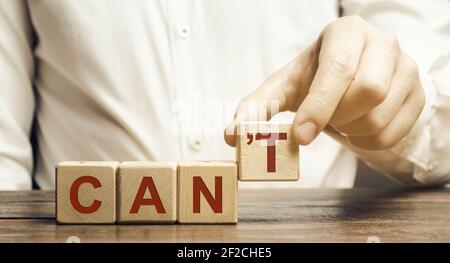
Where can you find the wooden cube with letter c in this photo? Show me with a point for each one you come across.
(207, 192)
(147, 192)
(86, 192)
(266, 152)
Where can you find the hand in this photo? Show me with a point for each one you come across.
(354, 80)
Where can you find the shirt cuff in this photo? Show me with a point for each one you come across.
(415, 148)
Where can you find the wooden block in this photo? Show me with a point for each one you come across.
(266, 152)
(207, 192)
(86, 192)
(147, 192)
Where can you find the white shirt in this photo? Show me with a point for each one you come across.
(158, 80)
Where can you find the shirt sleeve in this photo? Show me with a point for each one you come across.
(16, 96)
(423, 30)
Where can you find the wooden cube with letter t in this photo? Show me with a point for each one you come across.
(266, 152)
(147, 192)
(207, 192)
(86, 192)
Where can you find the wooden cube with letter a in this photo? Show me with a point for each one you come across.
(147, 192)
(207, 192)
(86, 192)
(266, 152)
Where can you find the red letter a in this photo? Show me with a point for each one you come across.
(147, 183)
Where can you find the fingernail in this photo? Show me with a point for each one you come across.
(306, 132)
(229, 130)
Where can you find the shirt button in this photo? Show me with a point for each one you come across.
(195, 143)
(184, 32)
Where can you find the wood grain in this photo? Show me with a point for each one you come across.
(105, 193)
(208, 172)
(277, 215)
(267, 152)
(163, 177)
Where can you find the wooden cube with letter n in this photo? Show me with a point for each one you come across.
(207, 192)
(147, 192)
(266, 152)
(86, 192)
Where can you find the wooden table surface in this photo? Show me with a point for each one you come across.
(293, 215)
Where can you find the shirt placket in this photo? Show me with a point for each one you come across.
(188, 92)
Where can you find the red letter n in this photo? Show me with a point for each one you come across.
(214, 202)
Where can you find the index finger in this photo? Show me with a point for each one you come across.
(340, 50)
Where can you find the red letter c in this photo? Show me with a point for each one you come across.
(74, 195)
